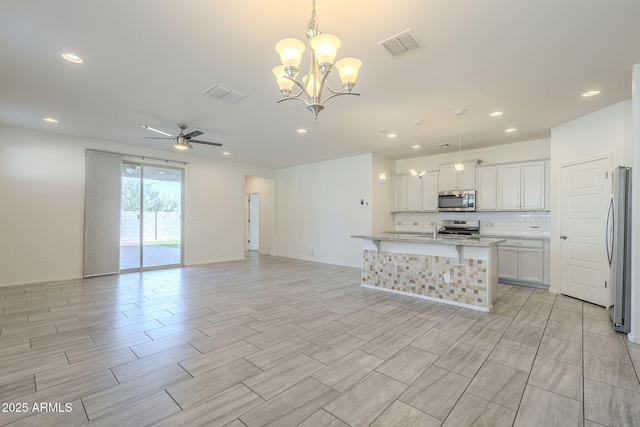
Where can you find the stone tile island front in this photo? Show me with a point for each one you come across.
(460, 272)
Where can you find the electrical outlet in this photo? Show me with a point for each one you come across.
(535, 225)
(489, 224)
(45, 263)
(310, 251)
(447, 278)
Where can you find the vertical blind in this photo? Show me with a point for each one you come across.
(102, 213)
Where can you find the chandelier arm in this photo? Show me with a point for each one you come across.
(297, 83)
(322, 85)
(338, 94)
(296, 98)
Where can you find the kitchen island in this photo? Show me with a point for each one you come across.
(461, 272)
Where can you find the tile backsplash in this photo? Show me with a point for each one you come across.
(525, 224)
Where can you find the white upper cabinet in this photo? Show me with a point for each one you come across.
(521, 186)
(509, 187)
(449, 180)
(414, 194)
(411, 194)
(407, 194)
(430, 192)
(533, 185)
(487, 188)
(399, 195)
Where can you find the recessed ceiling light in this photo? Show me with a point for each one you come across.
(511, 130)
(72, 58)
(590, 93)
(50, 120)
(496, 113)
(392, 135)
(226, 153)
(301, 130)
(415, 146)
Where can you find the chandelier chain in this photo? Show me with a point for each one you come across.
(312, 27)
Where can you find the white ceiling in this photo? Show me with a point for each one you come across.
(146, 62)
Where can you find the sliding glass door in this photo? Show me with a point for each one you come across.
(150, 217)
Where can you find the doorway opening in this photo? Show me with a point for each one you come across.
(150, 217)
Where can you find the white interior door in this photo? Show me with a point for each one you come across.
(585, 191)
(253, 243)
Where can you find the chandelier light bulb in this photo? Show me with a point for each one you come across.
(325, 46)
(348, 69)
(290, 51)
(284, 83)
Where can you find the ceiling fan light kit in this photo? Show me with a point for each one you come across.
(181, 141)
(324, 48)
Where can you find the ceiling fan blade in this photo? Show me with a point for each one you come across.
(217, 144)
(157, 137)
(193, 134)
(156, 130)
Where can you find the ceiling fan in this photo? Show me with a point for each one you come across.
(181, 141)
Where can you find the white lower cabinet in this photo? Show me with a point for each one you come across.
(521, 260)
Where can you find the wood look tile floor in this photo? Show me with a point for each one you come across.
(277, 341)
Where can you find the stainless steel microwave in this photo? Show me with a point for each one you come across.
(457, 201)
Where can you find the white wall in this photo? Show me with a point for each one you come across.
(382, 218)
(518, 152)
(607, 131)
(318, 207)
(266, 188)
(634, 335)
(42, 204)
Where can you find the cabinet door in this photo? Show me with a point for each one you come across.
(414, 196)
(486, 191)
(399, 193)
(530, 265)
(447, 179)
(508, 263)
(509, 187)
(430, 192)
(532, 177)
(467, 180)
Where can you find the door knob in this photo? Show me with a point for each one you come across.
(564, 237)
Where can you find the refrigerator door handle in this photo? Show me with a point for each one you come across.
(610, 217)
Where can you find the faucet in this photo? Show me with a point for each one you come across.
(435, 229)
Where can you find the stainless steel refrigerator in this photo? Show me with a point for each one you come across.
(618, 242)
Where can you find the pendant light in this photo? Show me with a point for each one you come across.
(382, 177)
(459, 167)
(414, 172)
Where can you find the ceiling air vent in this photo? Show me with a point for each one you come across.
(224, 93)
(401, 43)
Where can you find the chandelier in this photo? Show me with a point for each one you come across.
(309, 87)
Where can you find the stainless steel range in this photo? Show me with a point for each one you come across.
(461, 229)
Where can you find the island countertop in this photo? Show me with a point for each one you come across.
(481, 242)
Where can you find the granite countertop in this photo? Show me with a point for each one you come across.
(482, 235)
(413, 238)
(514, 236)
